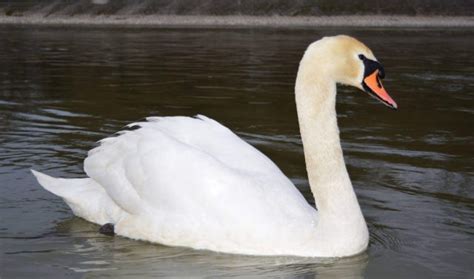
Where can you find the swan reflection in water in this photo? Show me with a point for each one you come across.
(122, 257)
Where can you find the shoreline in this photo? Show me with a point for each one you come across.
(202, 21)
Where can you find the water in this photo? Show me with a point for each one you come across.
(62, 89)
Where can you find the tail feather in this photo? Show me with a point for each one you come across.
(85, 197)
(61, 187)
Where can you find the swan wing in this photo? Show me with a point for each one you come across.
(194, 171)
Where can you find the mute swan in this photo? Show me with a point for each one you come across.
(183, 181)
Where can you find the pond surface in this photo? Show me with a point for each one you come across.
(62, 89)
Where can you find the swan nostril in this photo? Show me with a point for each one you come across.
(379, 84)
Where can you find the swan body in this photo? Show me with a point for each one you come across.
(184, 181)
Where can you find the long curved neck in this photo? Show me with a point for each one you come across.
(327, 173)
(341, 229)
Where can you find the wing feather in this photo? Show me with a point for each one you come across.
(190, 167)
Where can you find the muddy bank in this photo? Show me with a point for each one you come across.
(244, 21)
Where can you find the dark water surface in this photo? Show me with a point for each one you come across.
(62, 89)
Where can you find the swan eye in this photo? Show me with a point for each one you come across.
(362, 57)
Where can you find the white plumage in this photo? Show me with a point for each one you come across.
(188, 181)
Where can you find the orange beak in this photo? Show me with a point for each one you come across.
(374, 86)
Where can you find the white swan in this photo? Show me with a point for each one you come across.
(184, 181)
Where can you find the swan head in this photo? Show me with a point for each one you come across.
(347, 61)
